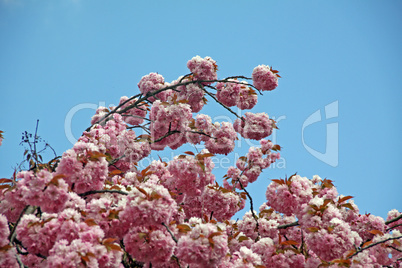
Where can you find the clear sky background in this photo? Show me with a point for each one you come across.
(60, 59)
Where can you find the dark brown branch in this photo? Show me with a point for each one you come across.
(201, 133)
(152, 94)
(142, 127)
(111, 163)
(166, 135)
(103, 191)
(284, 226)
(392, 227)
(397, 249)
(26, 210)
(374, 244)
(251, 208)
(136, 116)
(170, 232)
(20, 263)
(223, 105)
(35, 154)
(394, 219)
(115, 110)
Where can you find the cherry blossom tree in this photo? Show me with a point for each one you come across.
(95, 207)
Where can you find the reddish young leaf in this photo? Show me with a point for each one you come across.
(279, 181)
(243, 238)
(313, 229)
(289, 243)
(142, 191)
(155, 195)
(183, 228)
(367, 243)
(90, 222)
(376, 232)
(348, 205)
(115, 172)
(276, 147)
(343, 199)
(5, 180)
(115, 187)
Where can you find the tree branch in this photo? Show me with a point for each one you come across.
(394, 219)
(374, 244)
(166, 135)
(392, 227)
(103, 191)
(152, 94)
(223, 105)
(251, 207)
(28, 210)
(170, 232)
(284, 226)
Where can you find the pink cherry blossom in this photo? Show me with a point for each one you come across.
(4, 231)
(152, 82)
(264, 78)
(146, 245)
(204, 246)
(223, 139)
(190, 174)
(254, 126)
(203, 68)
(134, 116)
(147, 205)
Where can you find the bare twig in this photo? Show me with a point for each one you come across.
(284, 226)
(142, 98)
(170, 232)
(166, 135)
(35, 155)
(223, 105)
(19, 261)
(103, 191)
(26, 210)
(374, 244)
(251, 208)
(392, 227)
(394, 219)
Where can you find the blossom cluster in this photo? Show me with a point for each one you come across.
(236, 93)
(95, 207)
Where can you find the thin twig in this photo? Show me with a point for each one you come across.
(152, 94)
(223, 105)
(251, 207)
(397, 249)
(20, 263)
(392, 227)
(35, 138)
(374, 244)
(102, 191)
(13, 234)
(394, 219)
(170, 232)
(166, 135)
(284, 226)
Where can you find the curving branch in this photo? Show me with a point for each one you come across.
(394, 219)
(27, 210)
(142, 98)
(374, 244)
(251, 208)
(284, 226)
(103, 191)
(171, 132)
(223, 105)
(170, 232)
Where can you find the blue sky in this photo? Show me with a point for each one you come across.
(60, 59)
